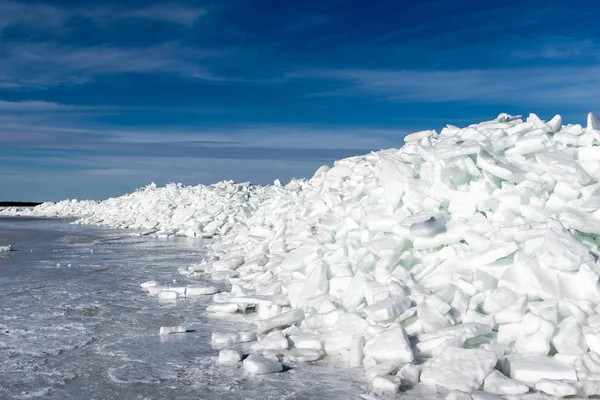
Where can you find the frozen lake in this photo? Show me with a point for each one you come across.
(74, 324)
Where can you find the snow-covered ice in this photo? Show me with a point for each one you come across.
(462, 248)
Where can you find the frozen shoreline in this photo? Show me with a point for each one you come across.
(84, 329)
(474, 249)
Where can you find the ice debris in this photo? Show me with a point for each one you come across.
(168, 330)
(259, 365)
(466, 260)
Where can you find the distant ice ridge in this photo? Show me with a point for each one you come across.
(466, 260)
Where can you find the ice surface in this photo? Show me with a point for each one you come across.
(498, 383)
(273, 341)
(390, 345)
(561, 250)
(259, 365)
(588, 366)
(568, 337)
(228, 356)
(496, 224)
(280, 321)
(459, 369)
(559, 387)
(531, 369)
(409, 376)
(385, 384)
(89, 332)
(388, 309)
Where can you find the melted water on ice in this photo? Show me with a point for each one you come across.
(74, 323)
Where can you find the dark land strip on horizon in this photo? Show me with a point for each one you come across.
(18, 204)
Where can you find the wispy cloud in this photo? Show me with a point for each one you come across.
(37, 106)
(30, 15)
(560, 49)
(38, 152)
(44, 129)
(43, 16)
(170, 12)
(49, 64)
(521, 86)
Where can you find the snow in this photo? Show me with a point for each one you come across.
(462, 248)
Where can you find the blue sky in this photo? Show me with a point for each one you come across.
(98, 98)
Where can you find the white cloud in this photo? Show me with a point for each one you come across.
(31, 15)
(43, 16)
(519, 86)
(36, 106)
(49, 64)
(560, 49)
(175, 13)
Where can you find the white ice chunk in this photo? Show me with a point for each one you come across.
(390, 345)
(459, 369)
(306, 341)
(409, 375)
(200, 290)
(561, 250)
(228, 356)
(382, 369)
(385, 384)
(431, 319)
(457, 335)
(167, 330)
(498, 383)
(417, 136)
(388, 309)
(259, 365)
(228, 264)
(559, 387)
(536, 333)
(562, 167)
(588, 153)
(304, 355)
(588, 366)
(569, 338)
(226, 308)
(555, 124)
(168, 295)
(273, 341)
(593, 122)
(280, 321)
(530, 369)
(356, 355)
